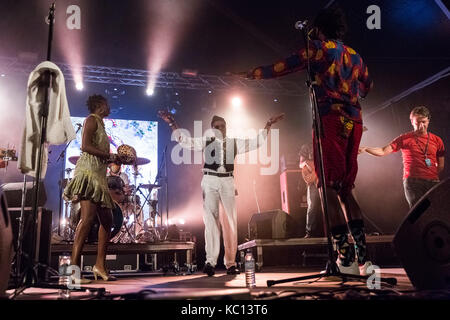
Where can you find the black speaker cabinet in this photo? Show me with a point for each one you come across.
(423, 240)
(6, 248)
(293, 191)
(13, 194)
(275, 224)
(42, 241)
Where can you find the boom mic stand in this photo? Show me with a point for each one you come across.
(331, 269)
(30, 277)
(159, 178)
(61, 156)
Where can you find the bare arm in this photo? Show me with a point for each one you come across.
(196, 144)
(90, 126)
(252, 144)
(440, 165)
(377, 151)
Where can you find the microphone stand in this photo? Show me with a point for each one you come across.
(61, 156)
(256, 196)
(30, 275)
(331, 269)
(165, 179)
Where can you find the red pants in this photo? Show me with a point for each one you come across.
(340, 144)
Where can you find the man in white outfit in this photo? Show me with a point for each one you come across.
(218, 185)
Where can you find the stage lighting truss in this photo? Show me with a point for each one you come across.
(136, 77)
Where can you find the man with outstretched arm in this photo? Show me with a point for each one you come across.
(218, 185)
(422, 154)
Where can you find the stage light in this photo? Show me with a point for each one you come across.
(236, 102)
(181, 221)
(170, 221)
(3, 75)
(150, 91)
(173, 111)
(209, 91)
(275, 100)
(79, 86)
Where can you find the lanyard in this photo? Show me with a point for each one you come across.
(426, 146)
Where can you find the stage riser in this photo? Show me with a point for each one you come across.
(131, 262)
(381, 254)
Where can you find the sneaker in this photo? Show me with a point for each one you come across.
(351, 269)
(363, 269)
(233, 270)
(209, 270)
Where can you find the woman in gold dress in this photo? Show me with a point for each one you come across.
(89, 186)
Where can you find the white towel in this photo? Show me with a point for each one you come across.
(59, 126)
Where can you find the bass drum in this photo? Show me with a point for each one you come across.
(75, 214)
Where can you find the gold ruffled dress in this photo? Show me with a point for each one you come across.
(89, 181)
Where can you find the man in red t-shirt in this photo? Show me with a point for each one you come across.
(422, 153)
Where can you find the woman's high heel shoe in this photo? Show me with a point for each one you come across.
(104, 275)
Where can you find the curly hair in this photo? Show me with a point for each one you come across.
(332, 23)
(94, 101)
(420, 111)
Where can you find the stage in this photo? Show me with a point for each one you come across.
(198, 286)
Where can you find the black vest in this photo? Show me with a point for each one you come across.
(212, 158)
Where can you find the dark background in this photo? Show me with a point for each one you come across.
(215, 37)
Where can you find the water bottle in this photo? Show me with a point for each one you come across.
(249, 270)
(64, 277)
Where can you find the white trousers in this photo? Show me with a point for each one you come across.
(216, 190)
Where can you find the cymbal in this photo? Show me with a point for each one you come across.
(149, 186)
(74, 159)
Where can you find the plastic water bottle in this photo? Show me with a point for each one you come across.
(249, 270)
(64, 277)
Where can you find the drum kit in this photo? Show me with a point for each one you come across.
(6, 155)
(128, 216)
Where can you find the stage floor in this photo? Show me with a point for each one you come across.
(222, 286)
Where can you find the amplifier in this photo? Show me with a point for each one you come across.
(42, 241)
(275, 224)
(114, 262)
(13, 194)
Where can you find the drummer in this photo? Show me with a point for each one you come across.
(115, 170)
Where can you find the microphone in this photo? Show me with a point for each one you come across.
(79, 125)
(300, 25)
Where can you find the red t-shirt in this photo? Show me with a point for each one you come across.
(413, 148)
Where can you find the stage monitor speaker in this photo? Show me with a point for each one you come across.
(42, 242)
(293, 191)
(275, 224)
(422, 242)
(6, 247)
(13, 193)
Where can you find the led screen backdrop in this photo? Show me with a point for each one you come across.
(141, 135)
